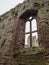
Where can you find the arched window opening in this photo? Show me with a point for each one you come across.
(34, 25)
(27, 27)
(31, 33)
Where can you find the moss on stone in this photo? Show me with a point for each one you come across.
(39, 51)
(15, 53)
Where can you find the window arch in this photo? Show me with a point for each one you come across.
(31, 33)
(30, 30)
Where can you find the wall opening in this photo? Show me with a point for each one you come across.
(31, 33)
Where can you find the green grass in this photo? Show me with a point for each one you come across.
(39, 51)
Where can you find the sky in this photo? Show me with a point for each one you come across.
(6, 5)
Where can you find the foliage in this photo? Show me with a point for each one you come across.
(15, 53)
(24, 52)
(39, 51)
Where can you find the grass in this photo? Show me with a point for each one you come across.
(35, 50)
(39, 51)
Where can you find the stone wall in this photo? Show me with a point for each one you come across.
(43, 26)
(8, 19)
(19, 34)
(12, 26)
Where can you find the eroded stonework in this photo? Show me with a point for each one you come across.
(12, 26)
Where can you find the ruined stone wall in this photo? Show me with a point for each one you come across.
(6, 30)
(43, 26)
(19, 34)
(12, 27)
(8, 20)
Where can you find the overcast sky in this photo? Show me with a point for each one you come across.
(6, 5)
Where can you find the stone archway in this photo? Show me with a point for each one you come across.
(19, 33)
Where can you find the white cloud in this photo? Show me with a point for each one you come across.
(6, 5)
